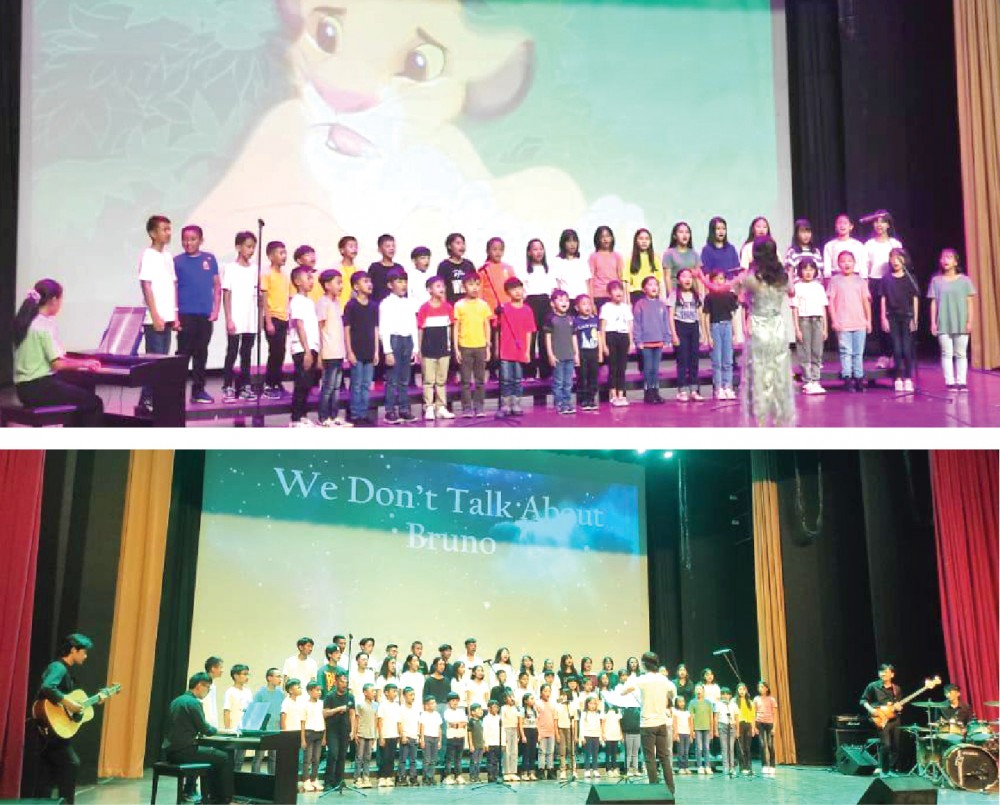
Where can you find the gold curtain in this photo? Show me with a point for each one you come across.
(977, 52)
(137, 610)
(771, 598)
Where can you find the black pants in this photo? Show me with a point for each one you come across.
(687, 354)
(220, 780)
(276, 352)
(902, 345)
(656, 747)
(192, 341)
(744, 739)
(51, 390)
(305, 380)
(241, 343)
(538, 358)
(879, 342)
(617, 358)
(336, 757)
(57, 767)
(529, 750)
(387, 757)
(888, 750)
(586, 377)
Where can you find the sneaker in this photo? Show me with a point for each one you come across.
(817, 388)
(596, 773)
(308, 786)
(390, 782)
(449, 780)
(882, 363)
(329, 422)
(696, 396)
(708, 770)
(391, 418)
(468, 413)
(586, 774)
(683, 396)
(443, 413)
(570, 410)
(272, 393)
(344, 423)
(859, 384)
(229, 395)
(406, 417)
(202, 398)
(144, 408)
(898, 385)
(247, 394)
(562, 774)
(962, 387)
(300, 785)
(515, 407)
(461, 779)
(701, 770)
(429, 413)
(479, 413)
(305, 422)
(908, 385)
(317, 785)
(616, 402)
(849, 385)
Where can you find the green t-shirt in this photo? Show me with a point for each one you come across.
(951, 296)
(674, 261)
(701, 713)
(33, 358)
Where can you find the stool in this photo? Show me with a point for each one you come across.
(179, 770)
(42, 417)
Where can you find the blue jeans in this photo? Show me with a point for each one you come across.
(408, 754)
(852, 353)
(687, 355)
(727, 740)
(562, 384)
(651, 357)
(591, 746)
(683, 748)
(361, 381)
(431, 748)
(156, 344)
(702, 738)
(333, 372)
(722, 355)
(397, 376)
(511, 373)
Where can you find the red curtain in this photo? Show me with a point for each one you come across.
(965, 487)
(20, 510)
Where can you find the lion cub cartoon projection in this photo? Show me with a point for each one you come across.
(369, 145)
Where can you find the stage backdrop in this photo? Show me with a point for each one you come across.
(537, 553)
(419, 118)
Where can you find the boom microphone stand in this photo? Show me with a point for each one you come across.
(572, 747)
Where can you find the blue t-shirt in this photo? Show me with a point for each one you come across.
(727, 259)
(195, 283)
(585, 328)
(273, 700)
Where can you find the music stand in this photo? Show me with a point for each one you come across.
(123, 333)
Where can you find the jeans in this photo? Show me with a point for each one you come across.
(902, 345)
(408, 758)
(852, 353)
(336, 757)
(453, 756)
(617, 358)
(363, 756)
(510, 751)
(434, 374)
(701, 741)
(431, 747)
(333, 373)
(52, 390)
(586, 377)
(305, 379)
(276, 352)
(651, 357)
(511, 373)
(954, 357)
(687, 355)
(473, 368)
(156, 344)
(811, 348)
(745, 738)
(683, 750)
(258, 760)
(397, 376)
(547, 752)
(562, 384)
(591, 748)
(361, 382)
(610, 755)
(387, 756)
(722, 355)
(727, 740)
(632, 751)
(657, 746)
(529, 751)
(766, 733)
(475, 763)
(888, 750)
(492, 762)
(192, 341)
(241, 343)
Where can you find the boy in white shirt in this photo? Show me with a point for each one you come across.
(313, 737)
(303, 331)
(301, 666)
(397, 327)
(365, 734)
(456, 735)
(430, 737)
(293, 715)
(236, 700)
(728, 718)
(387, 725)
(409, 738)
(158, 283)
(242, 310)
(493, 737)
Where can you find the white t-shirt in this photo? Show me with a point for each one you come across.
(617, 318)
(727, 713)
(456, 722)
(834, 247)
(509, 716)
(431, 722)
(712, 691)
(590, 724)
(358, 680)
(479, 692)
(303, 309)
(492, 734)
(415, 680)
(612, 725)
(210, 704)
(302, 670)
(236, 701)
(571, 276)
(416, 288)
(460, 686)
(655, 693)
(381, 682)
(623, 699)
(682, 722)
(389, 714)
(878, 256)
(241, 282)
(810, 298)
(410, 719)
(539, 282)
(157, 268)
(294, 711)
(314, 715)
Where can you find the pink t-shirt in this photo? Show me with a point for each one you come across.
(604, 267)
(847, 296)
(546, 712)
(766, 705)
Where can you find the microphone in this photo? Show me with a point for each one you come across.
(872, 216)
(350, 636)
(720, 651)
(260, 222)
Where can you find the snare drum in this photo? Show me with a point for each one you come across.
(969, 768)
(978, 733)
(950, 732)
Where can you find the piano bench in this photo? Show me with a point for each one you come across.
(182, 771)
(43, 417)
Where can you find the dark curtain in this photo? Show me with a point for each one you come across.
(20, 508)
(173, 638)
(10, 117)
(965, 514)
(83, 500)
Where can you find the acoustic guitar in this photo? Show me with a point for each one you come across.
(63, 723)
(887, 712)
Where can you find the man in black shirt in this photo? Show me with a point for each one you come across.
(338, 710)
(185, 722)
(879, 693)
(59, 761)
(957, 710)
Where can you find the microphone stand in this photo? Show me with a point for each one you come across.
(343, 786)
(258, 419)
(572, 747)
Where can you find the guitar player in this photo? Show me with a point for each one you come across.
(57, 758)
(878, 694)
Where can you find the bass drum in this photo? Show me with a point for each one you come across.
(969, 768)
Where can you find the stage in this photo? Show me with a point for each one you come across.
(790, 784)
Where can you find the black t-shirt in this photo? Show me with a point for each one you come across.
(876, 694)
(685, 689)
(962, 714)
(438, 688)
(899, 293)
(341, 722)
(185, 722)
(378, 273)
(362, 319)
(720, 305)
(453, 274)
(499, 694)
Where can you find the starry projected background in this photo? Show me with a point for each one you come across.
(542, 554)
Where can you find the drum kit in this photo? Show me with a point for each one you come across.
(964, 757)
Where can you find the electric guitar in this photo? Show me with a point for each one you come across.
(63, 723)
(887, 712)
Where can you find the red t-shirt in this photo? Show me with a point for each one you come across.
(516, 326)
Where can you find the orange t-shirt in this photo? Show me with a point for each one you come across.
(493, 276)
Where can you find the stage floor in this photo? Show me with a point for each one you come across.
(791, 784)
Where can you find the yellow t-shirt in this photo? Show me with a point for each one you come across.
(634, 281)
(345, 293)
(276, 288)
(471, 316)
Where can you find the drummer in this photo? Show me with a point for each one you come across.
(957, 711)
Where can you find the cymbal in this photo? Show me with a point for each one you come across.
(930, 705)
(992, 704)
(915, 728)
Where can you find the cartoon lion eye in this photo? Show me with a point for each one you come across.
(424, 63)
(327, 31)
